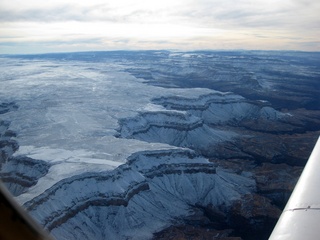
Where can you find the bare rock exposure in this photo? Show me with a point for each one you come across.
(157, 144)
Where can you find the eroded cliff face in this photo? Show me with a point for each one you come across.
(17, 173)
(225, 126)
(109, 162)
(174, 128)
(152, 191)
(156, 189)
(8, 145)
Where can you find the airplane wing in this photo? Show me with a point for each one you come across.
(301, 217)
(15, 223)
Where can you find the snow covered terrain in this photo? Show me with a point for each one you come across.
(68, 113)
(68, 116)
(153, 190)
(95, 149)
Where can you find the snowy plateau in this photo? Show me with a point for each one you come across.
(157, 144)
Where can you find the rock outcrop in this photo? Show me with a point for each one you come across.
(17, 173)
(8, 144)
(151, 190)
(174, 128)
(21, 173)
(202, 163)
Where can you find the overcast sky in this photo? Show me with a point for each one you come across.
(36, 26)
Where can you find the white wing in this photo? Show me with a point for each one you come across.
(300, 218)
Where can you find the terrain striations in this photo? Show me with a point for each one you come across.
(157, 144)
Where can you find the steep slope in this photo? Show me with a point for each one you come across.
(174, 128)
(205, 122)
(153, 190)
(20, 173)
(17, 173)
(8, 144)
(225, 109)
(121, 145)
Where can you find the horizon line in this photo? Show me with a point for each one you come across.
(160, 50)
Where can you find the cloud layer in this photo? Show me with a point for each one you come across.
(50, 26)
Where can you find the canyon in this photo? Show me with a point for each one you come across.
(157, 144)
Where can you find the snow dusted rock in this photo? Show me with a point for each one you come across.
(174, 128)
(151, 191)
(8, 145)
(20, 173)
(221, 108)
(70, 106)
(7, 107)
(193, 122)
(7, 148)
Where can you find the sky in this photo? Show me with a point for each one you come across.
(38, 26)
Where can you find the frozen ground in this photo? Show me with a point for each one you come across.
(120, 137)
(68, 113)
